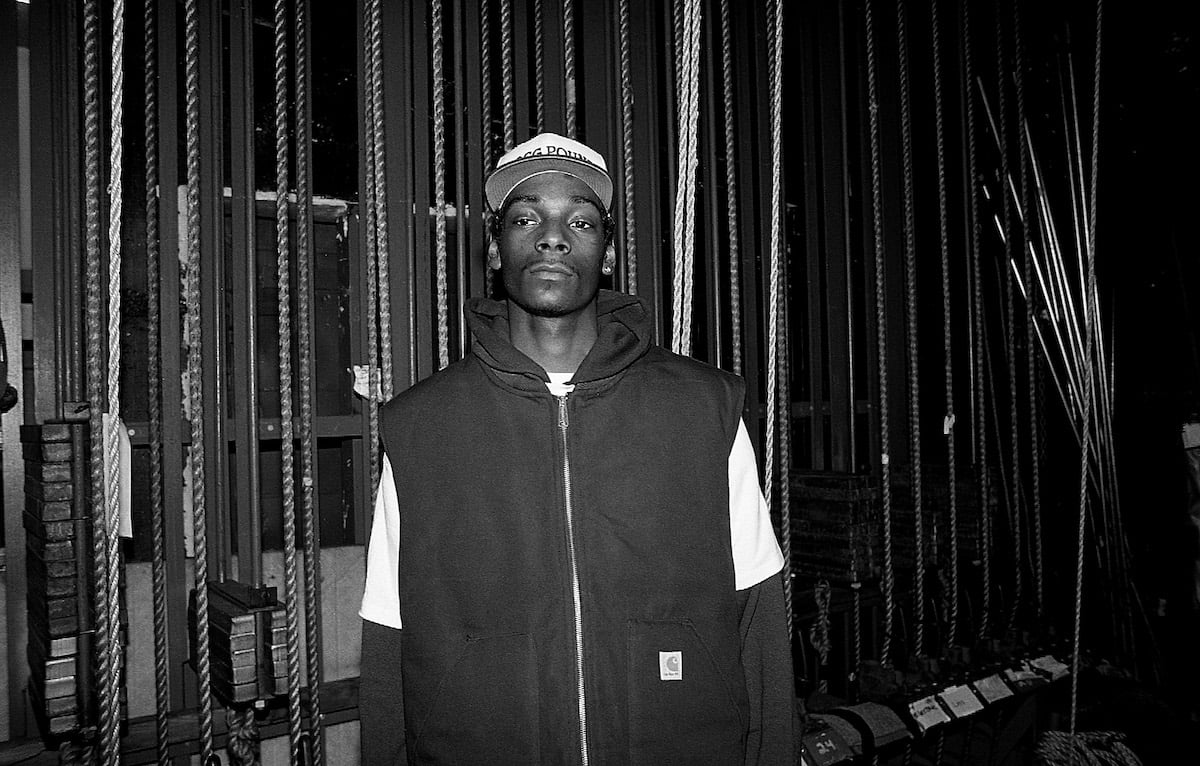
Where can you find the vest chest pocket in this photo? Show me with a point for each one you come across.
(485, 708)
(681, 706)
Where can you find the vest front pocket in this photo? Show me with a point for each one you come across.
(485, 708)
(681, 707)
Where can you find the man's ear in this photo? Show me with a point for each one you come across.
(610, 258)
(493, 255)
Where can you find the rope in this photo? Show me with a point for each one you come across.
(95, 369)
(910, 330)
(630, 212)
(856, 589)
(506, 71)
(979, 424)
(773, 313)
(379, 148)
(243, 741)
(539, 64)
(439, 182)
(1030, 356)
(947, 319)
(158, 561)
(312, 527)
(1087, 748)
(1089, 341)
(370, 186)
(287, 445)
(785, 429)
(818, 634)
(880, 341)
(683, 225)
(735, 291)
(195, 374)
(1010, 332)
(485, 112)
(569, 63)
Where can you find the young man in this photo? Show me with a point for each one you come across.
(571, 561)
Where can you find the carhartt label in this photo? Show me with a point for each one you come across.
(670, 666)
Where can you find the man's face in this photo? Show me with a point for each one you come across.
(552, 247)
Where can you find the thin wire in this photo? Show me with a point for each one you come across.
(195, 355)
(439, 183)
(287, 443)
(304, 252)
(888, 582)
(158, 560)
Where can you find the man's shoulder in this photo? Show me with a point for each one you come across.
(685, 368)
(440, 388)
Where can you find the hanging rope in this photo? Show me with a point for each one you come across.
(910, 331)
(856, 590)
(880, 341)
(539, 64)
(304, 251)
(818, 634)
(785, 400)
(379, 149)
(947, 320)
(569, 63)
(506, 72)
(979, 420)
(1028, 227)
(287, 445)
(774, 266)
(485, 112)
(735, 290)
(158, 560)
(683, 224)
(195, 375)
(95, 366)
(1089, 367)
(370, 187)
(439, 182)
(1010, 329)
(630, 212)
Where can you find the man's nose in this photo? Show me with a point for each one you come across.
(552, 237)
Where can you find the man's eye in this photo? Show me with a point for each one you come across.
(523, 220)
(582, 225)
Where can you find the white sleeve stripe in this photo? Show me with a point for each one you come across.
(381, 593)
(756, 554)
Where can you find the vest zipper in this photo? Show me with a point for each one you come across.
(563, 424)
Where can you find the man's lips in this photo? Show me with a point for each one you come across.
(551, 270)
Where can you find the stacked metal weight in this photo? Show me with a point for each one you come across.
(58, 572)
(248, 642)
(837, 522)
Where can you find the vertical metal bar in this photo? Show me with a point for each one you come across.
(212, 289)
(816, 213)
(553, 93)
(461, 234)
(710, 177)
(848, 454)
(471, 203)
(361, 312)
(522, 72)
(646, 160)
(422, 190)
(170, 343)
(243, 259)
(399, 151)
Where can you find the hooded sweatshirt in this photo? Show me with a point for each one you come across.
(565, 570)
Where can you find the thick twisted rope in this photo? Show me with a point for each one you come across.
(785, 403)
(485, 112)
(947, 320)
(979, 426)
(195, 373)
(773, 266)
(539, 64)
(506, 73)
(379, 150)
(312, 527)
(158, 561)
(1089, 354)
(856, 590)
(818, 633)
(880, 339)
(1030, 331)
(735, 282)
(439, 183)
(628, 209)
(683, 222)
(910, 331)
(1010, 350)
(287, 444)
(568, 8)
(95, 367)
(370, 186)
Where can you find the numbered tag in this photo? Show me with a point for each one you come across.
(961, 701)
(992, 689)
(927, 713)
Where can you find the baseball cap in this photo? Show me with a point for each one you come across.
(547, 153)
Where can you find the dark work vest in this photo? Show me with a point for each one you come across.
(517, 505)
